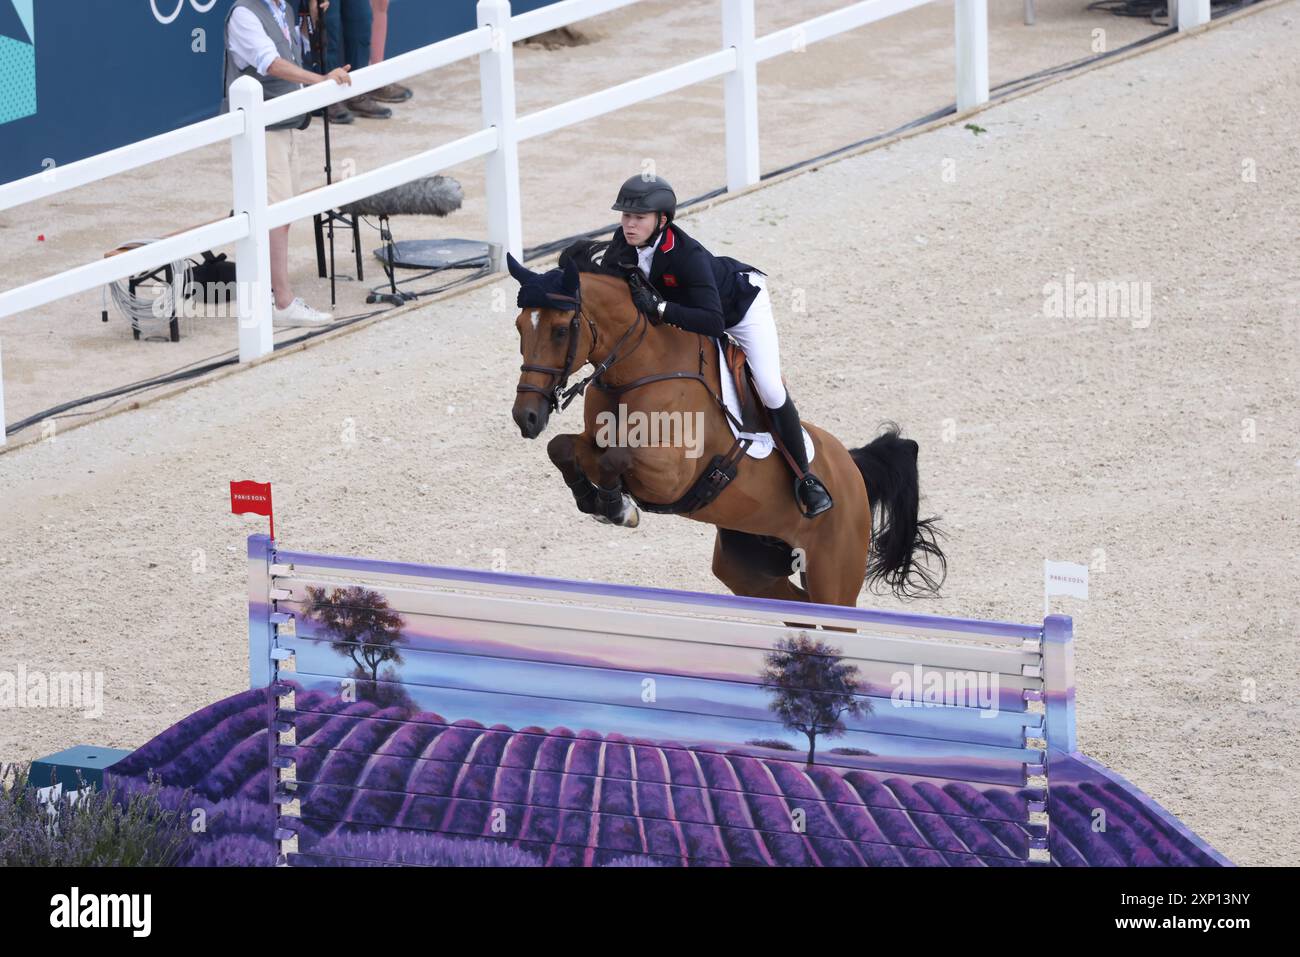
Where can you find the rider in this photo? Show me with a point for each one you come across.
(692, 289)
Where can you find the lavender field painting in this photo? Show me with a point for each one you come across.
(382, 785)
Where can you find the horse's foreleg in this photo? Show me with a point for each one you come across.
(613, 504)
(563, 450)
(578, 458)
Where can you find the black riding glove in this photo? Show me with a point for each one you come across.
(647, 302)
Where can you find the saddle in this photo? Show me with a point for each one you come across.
(753, 416)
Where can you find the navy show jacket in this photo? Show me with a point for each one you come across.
(705, 293)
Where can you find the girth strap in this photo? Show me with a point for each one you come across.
(717, 475)
(720, 471)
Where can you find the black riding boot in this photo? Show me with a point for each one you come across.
(809, 491)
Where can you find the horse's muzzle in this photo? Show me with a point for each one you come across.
(531, 417)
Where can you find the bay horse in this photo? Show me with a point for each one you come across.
(582, 314)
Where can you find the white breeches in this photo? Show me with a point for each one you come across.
(756, 333)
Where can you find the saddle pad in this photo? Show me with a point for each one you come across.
(762, 444)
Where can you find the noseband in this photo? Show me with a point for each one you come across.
(561, 394)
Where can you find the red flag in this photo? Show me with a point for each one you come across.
(254, 497)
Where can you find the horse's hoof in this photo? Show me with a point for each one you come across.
(630, 517)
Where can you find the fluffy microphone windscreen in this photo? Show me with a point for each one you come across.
(430, 196)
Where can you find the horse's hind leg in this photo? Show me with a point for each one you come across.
(837, 550)
(755, 566)
(836, 566)
(759, 567)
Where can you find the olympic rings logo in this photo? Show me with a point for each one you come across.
(180, 5)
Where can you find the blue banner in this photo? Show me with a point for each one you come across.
(79, 77)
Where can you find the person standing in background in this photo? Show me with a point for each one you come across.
(347, 40)
(264, 41)
(393, 92)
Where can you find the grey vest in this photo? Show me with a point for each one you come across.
(291, 51)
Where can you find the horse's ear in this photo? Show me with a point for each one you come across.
(517, 269)
(571, 280)
(626, 260)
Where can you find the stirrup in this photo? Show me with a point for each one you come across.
(812, 496)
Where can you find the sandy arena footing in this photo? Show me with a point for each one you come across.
(1158, 446)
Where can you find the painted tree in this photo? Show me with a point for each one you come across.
(361, 626)
(814, 689)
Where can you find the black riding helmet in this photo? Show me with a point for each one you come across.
(647, 194)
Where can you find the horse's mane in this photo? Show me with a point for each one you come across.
(590, 256)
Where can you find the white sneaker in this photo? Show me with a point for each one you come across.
(298, 313)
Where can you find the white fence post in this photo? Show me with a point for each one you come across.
(741, 94)
(972, 23)
(1191, 13)
(253, 252)
(497, 77)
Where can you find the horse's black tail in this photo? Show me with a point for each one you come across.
(903, 546)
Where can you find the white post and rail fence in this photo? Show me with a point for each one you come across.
(244, 127)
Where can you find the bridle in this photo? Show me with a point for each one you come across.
(561, 394)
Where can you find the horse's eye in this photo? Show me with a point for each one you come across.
(559, 333)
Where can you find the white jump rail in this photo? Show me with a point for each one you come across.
(498, 141)
(1043, 653)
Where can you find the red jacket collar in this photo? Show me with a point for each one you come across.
(669, 240)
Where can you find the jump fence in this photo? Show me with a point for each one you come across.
(413, 707)
(403, 714)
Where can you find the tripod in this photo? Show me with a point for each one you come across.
(393, 296)
(324, 222)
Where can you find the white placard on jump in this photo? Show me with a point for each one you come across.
(1063, 578)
